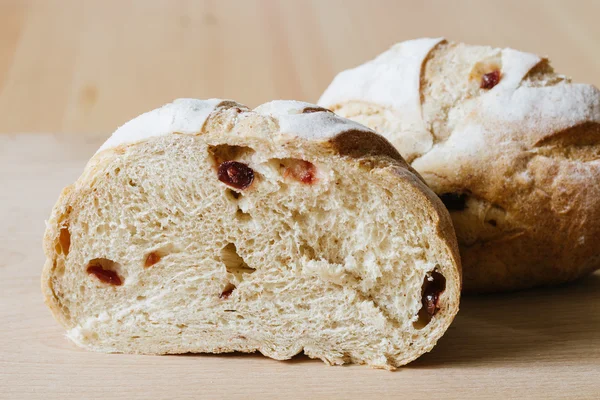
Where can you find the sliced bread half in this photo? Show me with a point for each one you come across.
(204, 226)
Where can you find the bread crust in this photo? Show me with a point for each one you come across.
(523, 154)
(277, 125)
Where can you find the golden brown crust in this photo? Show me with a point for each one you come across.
(540, 220)
(59, 216)
(522, 154)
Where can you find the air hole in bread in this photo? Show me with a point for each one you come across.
(225, 152)
(298, 217)
(243, 216)
(232, 194)
(492, 222)
(227, 291)
(64, 241)
(307, 251)
(324, 243)
(434, 285)
(299, 170)
(105, 270)
(454, 201)
(234, 264)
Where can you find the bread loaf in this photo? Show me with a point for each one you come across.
(510, 146)
(204, 226)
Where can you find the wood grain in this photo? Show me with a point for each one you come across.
(80, 68)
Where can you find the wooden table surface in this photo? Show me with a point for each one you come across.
(73, 70)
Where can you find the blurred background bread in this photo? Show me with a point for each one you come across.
(510, 146)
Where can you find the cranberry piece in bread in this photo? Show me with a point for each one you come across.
(236, 174)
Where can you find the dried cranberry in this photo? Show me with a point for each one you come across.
(235, 174)
(64, 240)
(227, 291)
(308, 176)
(152, 259)
(433, 286)
(301, 170)
(490, 79)
(454, 201)
(104, 275)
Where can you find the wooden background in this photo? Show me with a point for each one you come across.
(83, 66)
(71, 71)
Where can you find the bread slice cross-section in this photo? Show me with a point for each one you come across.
(204, 226)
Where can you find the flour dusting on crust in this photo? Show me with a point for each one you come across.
(182, 116)
(188, 116)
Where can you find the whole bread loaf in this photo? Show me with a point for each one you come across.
(204, 226)
(511, 147)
